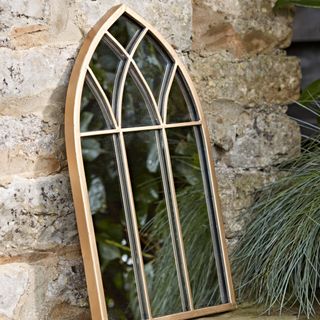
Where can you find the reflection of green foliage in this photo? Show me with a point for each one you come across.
(97, 196)
(135, 110)
(124, 30)
(153, 223)
(91, 149)
(200, 259)
(162, 277)
(104, 65)
(152, 64)
(109, 223)
(91, 117)
(177, 105)
(105, 194)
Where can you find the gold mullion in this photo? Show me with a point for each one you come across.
(133, 231)
(122, 71)
(137, 129)
(134, 45)
(171, 218)
(149, 95)
(140, 78)
(93, 81)
(218, 223)
(185, 273)
(164, 106)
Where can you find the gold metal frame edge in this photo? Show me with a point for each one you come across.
(78, 181)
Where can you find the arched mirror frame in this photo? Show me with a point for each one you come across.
(77, 172)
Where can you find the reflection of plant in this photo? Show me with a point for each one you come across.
(195, 228)
(278, 259)
(142, 154)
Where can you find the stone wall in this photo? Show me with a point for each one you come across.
(244, 79)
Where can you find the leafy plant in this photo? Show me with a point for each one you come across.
(277, 261)
(301, 3)
(310, 94)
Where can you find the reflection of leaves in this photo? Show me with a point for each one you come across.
(97, 196)
(153, 159)
(91, 149)
(85, 120)
(187, 159)
(152, 64)
(107, 254)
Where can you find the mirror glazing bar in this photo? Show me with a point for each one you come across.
(172, 224)
(101, 97)
(144, 128)
(165, 91)
(180, 243)
(207, 183)
(133, 231)
(123, 70)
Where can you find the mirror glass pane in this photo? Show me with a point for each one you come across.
(180, 108)
(124, 30)
(104, 65)
(152, 64)
(134, 107)
(91, 117)
(194, 217)
(152, 216)
(110, 227)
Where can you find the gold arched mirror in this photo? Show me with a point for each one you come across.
(142, 178)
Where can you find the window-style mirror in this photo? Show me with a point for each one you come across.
(142, 178)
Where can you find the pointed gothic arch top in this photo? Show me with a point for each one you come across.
(115, 113)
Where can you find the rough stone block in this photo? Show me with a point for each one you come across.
(251, 138)
(35, 290)
(250, 29)
(36, 214)
(14, 281)
(29, 146)
(237, 188)
(30, 72)
(68, 283)
(261, 80)
(249, 9)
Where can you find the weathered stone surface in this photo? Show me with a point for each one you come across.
(259, 80)
(250, 9)
(243, 31)
(35, 290)
(36, 214)
(237, 188)
(175, 23)
(64, 22)
(68, 283)
(29, 36)
(30, 72)
(29, 146)
(66, 312)
(48, 106)
(14, 282)
(252, 138)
